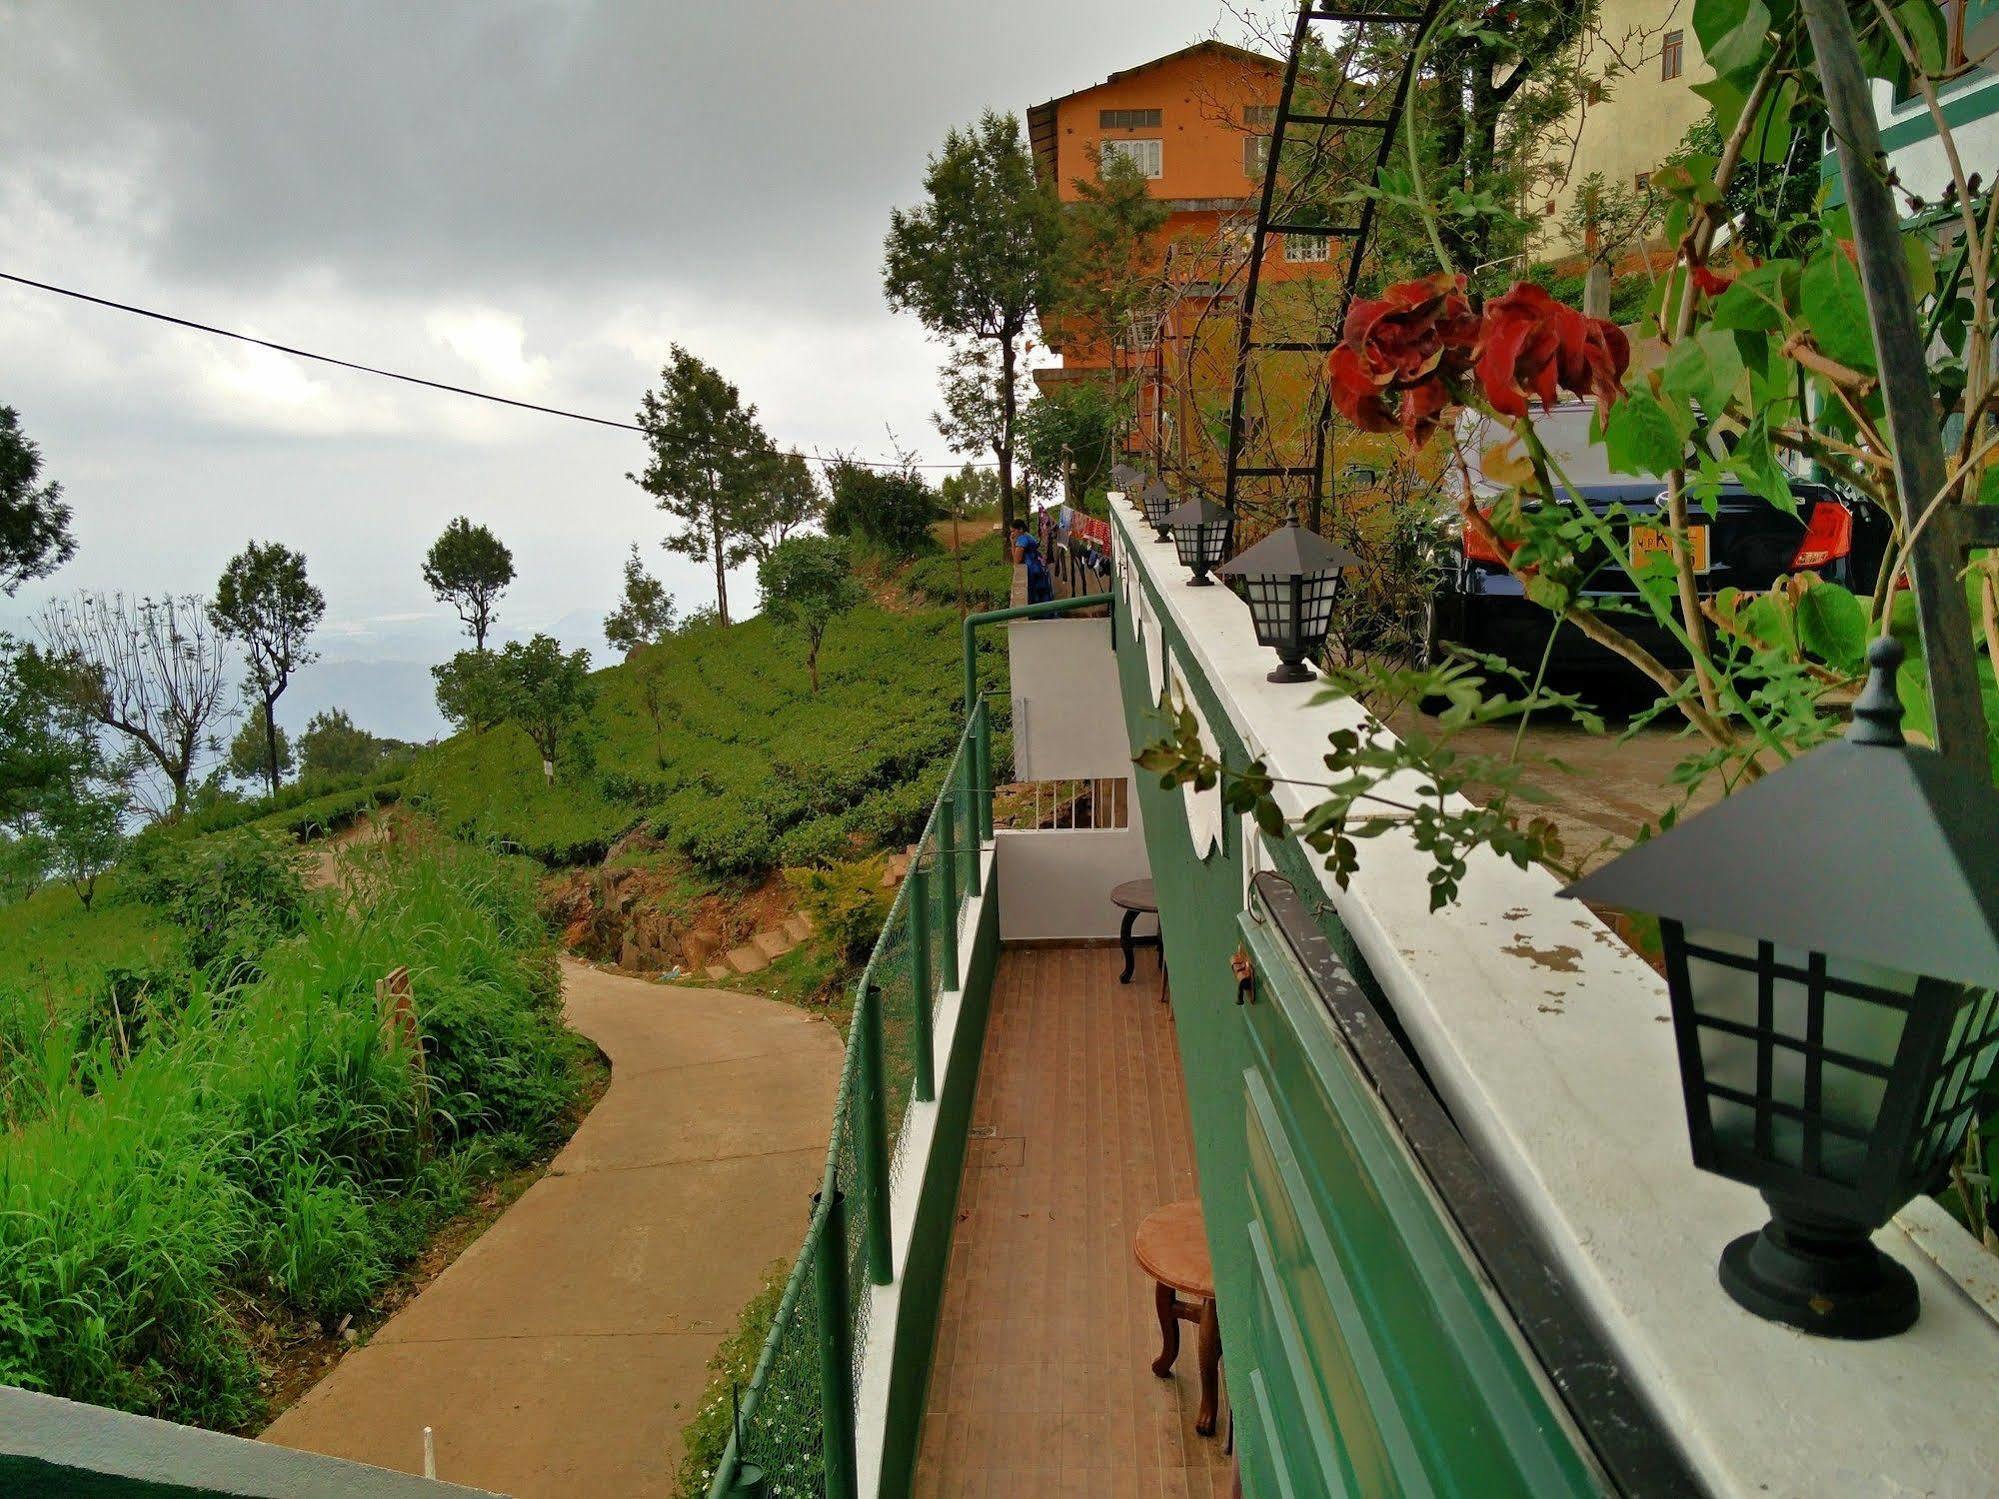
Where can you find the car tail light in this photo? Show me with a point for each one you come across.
(1828, 537)
(1478, 549)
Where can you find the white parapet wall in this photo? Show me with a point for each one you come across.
(1546, 1037)
(1068, 725)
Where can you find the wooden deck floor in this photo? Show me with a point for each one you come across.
(1041, 1383)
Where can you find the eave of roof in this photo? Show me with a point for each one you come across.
(1041, 117)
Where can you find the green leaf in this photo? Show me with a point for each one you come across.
(1734, 35)
(1756, 301)
(1917, 251)
(1769, 138)
(1725, 99)
(1707, 368)
(1836, 308)
(1833, 626)
(1755, 464)
(1642, 436)
(1923, 22)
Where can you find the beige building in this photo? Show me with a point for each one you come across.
(1644, 56)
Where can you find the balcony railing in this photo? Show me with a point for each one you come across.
(796, 1421)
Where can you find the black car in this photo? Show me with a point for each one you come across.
(1747, 544)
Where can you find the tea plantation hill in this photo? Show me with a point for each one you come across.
(708, 759)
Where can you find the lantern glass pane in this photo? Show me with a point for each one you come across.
(1967, 1059)
(1320, 589)
(1795, 1049)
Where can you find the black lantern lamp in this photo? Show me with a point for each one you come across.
(1158, 503)
(1201, 531)
(1832, 950)
(1289, 580)
(1127, 479)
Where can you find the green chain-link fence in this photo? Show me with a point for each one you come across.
(795, 1424)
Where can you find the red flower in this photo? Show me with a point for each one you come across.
(1532, 345)
(1712, 283)
(1412, 343)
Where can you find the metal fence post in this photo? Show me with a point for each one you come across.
(836, 1351)
(873, 1151)
(919, 979)
(968, 771)
(947, 873)
(982, 737)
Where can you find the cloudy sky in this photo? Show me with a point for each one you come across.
(534, 197)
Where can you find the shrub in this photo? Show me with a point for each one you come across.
(889, 510)
(848, 902)
(229, 894)
(706, 1435)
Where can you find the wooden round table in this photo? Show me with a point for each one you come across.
(1172, 1248)
(1135, 898)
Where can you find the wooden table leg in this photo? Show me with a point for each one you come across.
(1167, 1303)
(1210, 1350)
(1124, 942)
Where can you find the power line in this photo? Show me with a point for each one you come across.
(369, 369)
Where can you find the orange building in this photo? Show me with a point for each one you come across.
(1197, 123)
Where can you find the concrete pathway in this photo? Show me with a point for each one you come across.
(564, 1350)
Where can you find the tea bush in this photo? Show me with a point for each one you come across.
(747, 770)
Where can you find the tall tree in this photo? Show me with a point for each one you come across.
(1107, 279)
(34, 521)
(62, 804)
(468, 691)
(808, 583)
(708, 455)
(975, 414)
(250, 753)
(545, 691)
(787, 498)
(334, 745)
(975, 260)
(265, 603)
(1069, 435)
(468, 567)
(645, 613)
(154, 670)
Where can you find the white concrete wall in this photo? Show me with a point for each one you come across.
(1068, 719)
(1068, 724)
(1921, 166)
(1546, 1037)
(1056, 883)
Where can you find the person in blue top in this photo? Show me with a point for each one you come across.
(1040, 587)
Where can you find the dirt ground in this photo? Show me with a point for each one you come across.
(1616, 787)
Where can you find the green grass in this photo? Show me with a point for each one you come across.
(51, 946)
(706, 1434)
(255, 1150)
(749, 770)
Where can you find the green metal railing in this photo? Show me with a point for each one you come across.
(795, 1427)
(795, 1424)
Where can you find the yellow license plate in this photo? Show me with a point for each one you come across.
(1648, 540)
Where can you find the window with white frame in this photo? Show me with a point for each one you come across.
(1145, 155)
(1307, 247)
(1255, 156)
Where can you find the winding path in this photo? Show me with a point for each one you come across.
(564, 1350)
